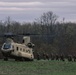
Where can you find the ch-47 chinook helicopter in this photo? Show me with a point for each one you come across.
(17, 51)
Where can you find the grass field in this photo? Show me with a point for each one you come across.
(41, 67)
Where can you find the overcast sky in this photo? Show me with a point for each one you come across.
(29, 10)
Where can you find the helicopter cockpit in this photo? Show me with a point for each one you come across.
(7, 46)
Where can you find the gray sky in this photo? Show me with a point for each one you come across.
(29, 10)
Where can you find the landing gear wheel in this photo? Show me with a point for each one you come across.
(22, 59)
(5, 59)
(16, 59)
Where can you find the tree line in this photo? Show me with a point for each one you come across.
(52, 36)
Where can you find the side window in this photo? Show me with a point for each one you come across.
(13, 47)
(23, 50)
(28, 51)
(17, 48)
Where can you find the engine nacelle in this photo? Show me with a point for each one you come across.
(30, 45)
(26, 40)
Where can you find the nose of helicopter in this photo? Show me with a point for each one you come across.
(6, 49)
(6, 52)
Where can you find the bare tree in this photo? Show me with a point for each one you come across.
(48, 18)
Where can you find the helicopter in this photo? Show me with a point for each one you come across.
(18, 51)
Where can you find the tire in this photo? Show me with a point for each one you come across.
(5, 59)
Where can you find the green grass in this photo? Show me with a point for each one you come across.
(42, 67)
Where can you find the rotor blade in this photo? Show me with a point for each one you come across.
(7, 35)
(10, 34)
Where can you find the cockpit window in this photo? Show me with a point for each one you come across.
(7, 46)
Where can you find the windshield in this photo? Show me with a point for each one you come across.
(7, 46)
